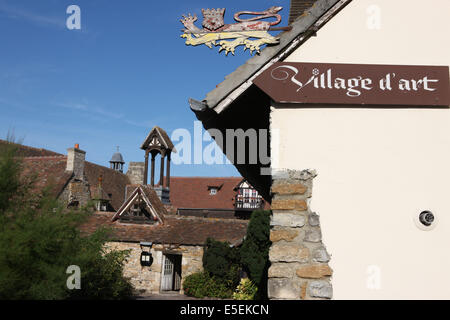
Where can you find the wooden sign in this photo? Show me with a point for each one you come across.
(356, 84)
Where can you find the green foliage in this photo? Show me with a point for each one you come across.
(40, 239)
(201, 284)
(222, 261)
(9, 179)
(255, 249)
(246, 290)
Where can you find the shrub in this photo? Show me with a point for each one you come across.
(222, 262)
(201, 284)
(40, 239)
(246, 290)
(255, 250)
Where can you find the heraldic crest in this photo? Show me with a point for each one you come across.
(216, 32)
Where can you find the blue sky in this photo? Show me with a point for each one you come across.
(109, 83)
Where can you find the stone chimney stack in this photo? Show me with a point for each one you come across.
(75, 162)
(136, 171)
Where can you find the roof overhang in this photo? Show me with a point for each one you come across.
(242, 78)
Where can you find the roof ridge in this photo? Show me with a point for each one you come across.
(99, 165)
(28, 147)
(207, 219)
(44, 157)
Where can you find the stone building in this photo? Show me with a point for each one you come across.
(139, 219)
(72, 179)
(356, 99)
(176, 246)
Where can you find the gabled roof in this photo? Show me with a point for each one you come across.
(49, 168)
(152, 202)
(162, 137)
(240, 80)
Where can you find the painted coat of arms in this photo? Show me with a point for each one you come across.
(251, 33)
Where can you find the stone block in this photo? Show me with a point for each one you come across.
(289, 204)
(313, 235)
(283, 288)
(288, 252)
(288, 220)
(320, 289)
(314, 271)
(283, 234)
(289, 189)
(303, 175)
(314, 220)
(283, 270)
(320, 255)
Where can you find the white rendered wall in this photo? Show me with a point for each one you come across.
(377, 168)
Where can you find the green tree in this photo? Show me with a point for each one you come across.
(255, 250)
(40, 239)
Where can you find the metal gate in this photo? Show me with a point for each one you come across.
(171, 275)
(167, 275)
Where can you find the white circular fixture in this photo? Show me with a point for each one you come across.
(425, 220)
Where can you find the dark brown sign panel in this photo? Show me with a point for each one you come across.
(359, 84)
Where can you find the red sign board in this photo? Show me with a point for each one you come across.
(356, 84)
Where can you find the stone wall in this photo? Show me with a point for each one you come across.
(76, 191)
(147, 280)
(299, 260)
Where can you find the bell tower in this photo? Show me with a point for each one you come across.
(158, 143)
(116, 161)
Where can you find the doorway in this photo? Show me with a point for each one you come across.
(171, 272)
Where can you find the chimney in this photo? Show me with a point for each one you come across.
(75, 161)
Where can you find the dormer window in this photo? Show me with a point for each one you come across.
(214, 189)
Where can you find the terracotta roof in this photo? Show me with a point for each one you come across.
(25, 151)
(193, 192)
(114, 182)
(49, 171)
(175, 230)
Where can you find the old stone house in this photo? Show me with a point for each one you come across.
(140, 220)
(176, 246)
(356, 99)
